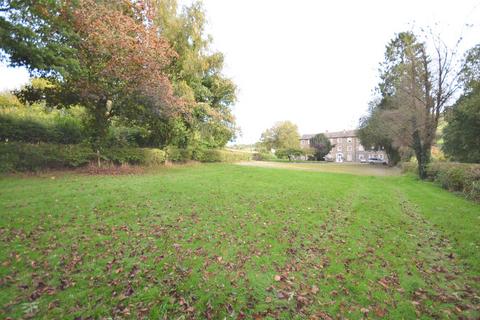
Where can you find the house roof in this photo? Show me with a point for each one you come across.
(338, 134)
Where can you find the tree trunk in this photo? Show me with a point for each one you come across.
(393, 155)
(422, 153)
(100, 125)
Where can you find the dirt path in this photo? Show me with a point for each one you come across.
(357, 169)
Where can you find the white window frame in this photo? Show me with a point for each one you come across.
(339, 148)
(349, 140)
(339, 140)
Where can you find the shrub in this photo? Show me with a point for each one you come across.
(264, 156)
(63, 130)
(33, 157)
(154, 157)
(220, 155)
(119, 136)
(460, 177)
(289, 153)
(409, 167)
(453, 176)
(123, 155)
(17, 156)
(178, 154)
(234, 156)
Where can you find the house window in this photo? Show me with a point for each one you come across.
(360, 148)
(339, 148)
(349, 140)
(339, 140)
(360, 157)
(332, 141)
(349, 148)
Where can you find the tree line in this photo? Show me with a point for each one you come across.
(415, 94)
(144, 64)
(283, 137)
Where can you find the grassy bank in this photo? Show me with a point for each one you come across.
(218, 240)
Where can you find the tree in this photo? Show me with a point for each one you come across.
(462, 133)
(196, 73)
(107, 56)
(414, 88)
(373, 132)
(322, 146)
(283, 135)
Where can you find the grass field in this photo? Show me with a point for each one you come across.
(227, 241)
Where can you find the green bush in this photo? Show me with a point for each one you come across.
(33, 157)
(264, 156)
(119, 136)
(18, 156)
(460, 177)
(234, 156)
(178, 154)
(154, 157)
(123, 155)
(289, 153)
(453, 176)
(409, 167)
(63, 130)
(216, 155)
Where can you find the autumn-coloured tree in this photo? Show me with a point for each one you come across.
(107, 56)
(283, 135)
(196, 73)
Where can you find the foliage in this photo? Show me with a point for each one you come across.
(65, 130)
(133, 136)
(33, 157)
(283, 135)
(461, 135)
(176, 154)
(321, 145)
(216, 155)
(460, 177)
(289, 153)
(9, 100)
(409, 167)
(106, 56)
(196, 74)
(17, 156)
(264, 156)
(373, 132)
(154, 157)
(208, 242)
(415, 87)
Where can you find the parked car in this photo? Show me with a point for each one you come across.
(363, 160)
(376, 161)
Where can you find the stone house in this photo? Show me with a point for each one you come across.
(346, 147)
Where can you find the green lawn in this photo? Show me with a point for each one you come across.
(216, 241)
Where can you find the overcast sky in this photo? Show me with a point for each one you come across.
(313, 62)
